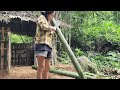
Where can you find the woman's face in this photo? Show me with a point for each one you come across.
(50, 16)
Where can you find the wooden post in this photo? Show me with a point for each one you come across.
(70, 38)
(2, 56)
(54, 58)
(35, 59)
(69, 51)
(9, 50)
(2, 49)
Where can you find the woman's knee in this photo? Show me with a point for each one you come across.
(46, 69)
(41, 68)
(41, 63)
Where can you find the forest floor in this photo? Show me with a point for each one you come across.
(26, 72)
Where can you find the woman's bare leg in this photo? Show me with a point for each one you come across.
(41, 66)
(46, 69)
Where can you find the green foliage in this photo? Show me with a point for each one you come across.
(17, 39)
(78, 52)
(111, 60)
(93, 27)
(90, 31)
(108, 31)
(65, 58)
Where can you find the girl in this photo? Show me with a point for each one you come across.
(43, 43)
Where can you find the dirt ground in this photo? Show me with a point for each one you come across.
(26, 72)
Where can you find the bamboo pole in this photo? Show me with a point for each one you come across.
(68, 73)
(69, 51)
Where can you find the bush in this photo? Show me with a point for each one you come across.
(17, 39)
(64, 58)
(111, 60)
(96, 29)
(78, 52)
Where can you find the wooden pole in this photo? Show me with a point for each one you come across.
(2, 49)
(35, 59)
(54, 53)
(69, 51)
(9, 49)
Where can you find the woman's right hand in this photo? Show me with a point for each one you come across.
(53, 28)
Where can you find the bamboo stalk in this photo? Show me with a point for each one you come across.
(68, 73)
(69, 51)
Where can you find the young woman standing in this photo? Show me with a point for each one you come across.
(43, 43)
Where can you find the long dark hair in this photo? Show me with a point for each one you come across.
(45, 13)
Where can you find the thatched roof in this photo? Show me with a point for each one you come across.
(22, 22)
(25, 15)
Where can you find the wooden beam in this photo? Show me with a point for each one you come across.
(4, 31)
(4, 48)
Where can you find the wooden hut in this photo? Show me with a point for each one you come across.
(16, 22)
